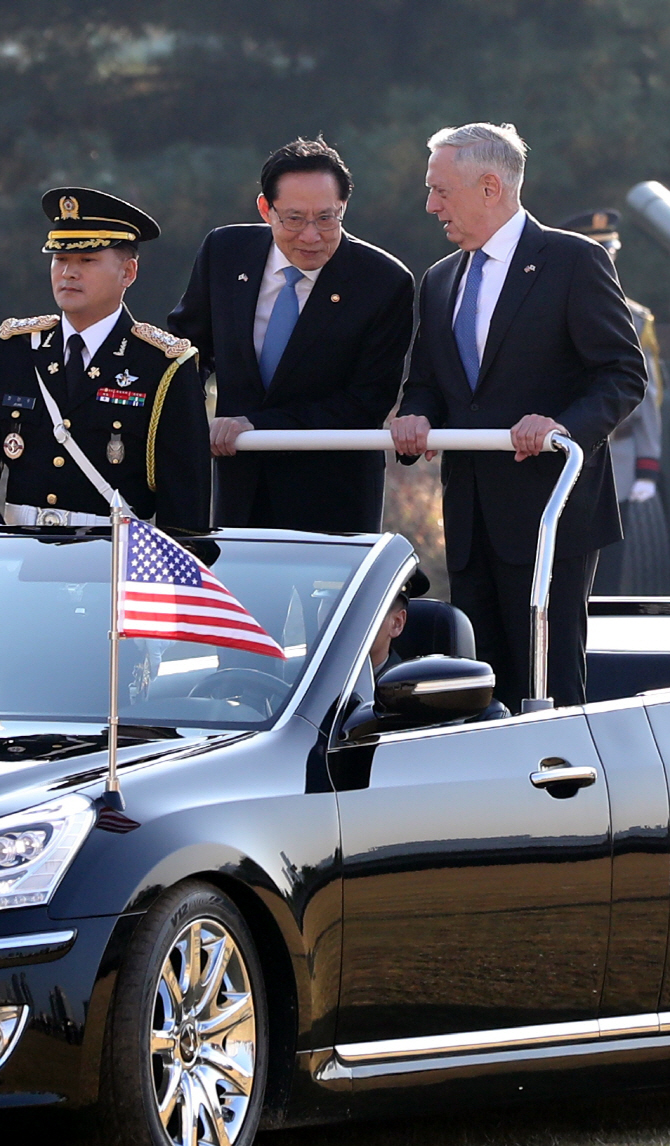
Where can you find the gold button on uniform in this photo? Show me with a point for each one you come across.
(16, 413)
(59, 462)
(51, 498)
(116, 425)
(67, 423)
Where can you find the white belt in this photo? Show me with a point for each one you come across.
(33, 515)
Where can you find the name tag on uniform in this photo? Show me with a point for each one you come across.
(120, 397)
(22, 401)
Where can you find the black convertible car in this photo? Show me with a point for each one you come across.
(326, 892)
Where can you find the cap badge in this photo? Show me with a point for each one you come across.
(530, 267)
(53, 367)
(69, 207)
(122, 348)
(243, 278)
(600, 221)
(94, 372)
(126, 378)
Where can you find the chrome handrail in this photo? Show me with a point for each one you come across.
(264, 440)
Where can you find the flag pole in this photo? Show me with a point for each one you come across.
(113, 797)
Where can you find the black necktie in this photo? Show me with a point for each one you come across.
(74, 368)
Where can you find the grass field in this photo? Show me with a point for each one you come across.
(640, 1119)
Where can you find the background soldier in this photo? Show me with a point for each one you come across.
(126, 395)
(640, 563)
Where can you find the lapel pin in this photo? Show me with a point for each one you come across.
(53, 367)
(94, 372)
(334, 298)
(122, 348)
(530, 267)
(47, 341)
(243, 278)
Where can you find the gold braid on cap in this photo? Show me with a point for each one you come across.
(156, 411)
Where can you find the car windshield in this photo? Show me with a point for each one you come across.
(54, 645)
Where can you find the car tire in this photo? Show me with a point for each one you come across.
(187, 1034)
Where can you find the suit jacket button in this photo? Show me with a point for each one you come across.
(58, 462)
(51, 498)
(474, 406)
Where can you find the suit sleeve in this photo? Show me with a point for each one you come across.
(422, 394)
(602, 331)
(192, 316)
(371, 387)
(183, 465)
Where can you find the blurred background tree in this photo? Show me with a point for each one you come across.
(175, 106)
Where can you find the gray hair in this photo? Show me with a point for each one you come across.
(484, 146)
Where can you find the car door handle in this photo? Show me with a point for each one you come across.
(556, 771)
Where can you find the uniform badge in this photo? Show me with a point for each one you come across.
(13, 445)
(122, 348)
(94, 372)
(47, 341)
(116, 451)
(53, 367)
(126, 379)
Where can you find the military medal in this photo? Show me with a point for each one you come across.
(13, 445)
(116, 451)
(125, 379)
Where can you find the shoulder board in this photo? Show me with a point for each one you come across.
(171, 346)
(13, 326)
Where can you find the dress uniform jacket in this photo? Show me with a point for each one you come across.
(341, 369)
(109, 417)
(636, 443)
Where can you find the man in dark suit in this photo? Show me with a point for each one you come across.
(306, 328)
(526, 327)
(126, 393)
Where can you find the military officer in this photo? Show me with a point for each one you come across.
(636, 443)
(91, 400)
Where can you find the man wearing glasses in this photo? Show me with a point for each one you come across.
(307, 328)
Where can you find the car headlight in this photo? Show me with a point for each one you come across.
(38, 845)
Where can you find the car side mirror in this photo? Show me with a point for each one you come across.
(420, 692)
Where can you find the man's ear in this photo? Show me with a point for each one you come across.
(264, 208)
(492, 187)
(398, 622)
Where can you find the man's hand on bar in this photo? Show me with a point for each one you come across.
(528, 435)
(410, 435)
(224, 432)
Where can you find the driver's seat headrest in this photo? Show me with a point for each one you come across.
(435, 627)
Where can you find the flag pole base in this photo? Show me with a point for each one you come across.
(112, 798)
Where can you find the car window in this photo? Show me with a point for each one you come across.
(55, 617)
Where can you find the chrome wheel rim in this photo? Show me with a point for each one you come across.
(203, 1038)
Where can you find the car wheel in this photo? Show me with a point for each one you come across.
(186, 1044)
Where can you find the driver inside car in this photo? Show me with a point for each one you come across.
(382, 655)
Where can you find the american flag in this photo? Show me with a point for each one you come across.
(166, 592)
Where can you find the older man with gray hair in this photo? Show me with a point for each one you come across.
(524, 328)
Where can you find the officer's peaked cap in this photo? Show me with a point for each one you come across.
(87, 220)
(601, 225)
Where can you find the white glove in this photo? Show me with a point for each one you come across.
(642, 490)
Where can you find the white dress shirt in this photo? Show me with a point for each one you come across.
(93, 336)
(499, 248)
(272, 282)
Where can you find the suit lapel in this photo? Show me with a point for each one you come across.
(527, 262)
(446, 302)
(326, 303)
(48, 358)
(107, 363)
(248, 272)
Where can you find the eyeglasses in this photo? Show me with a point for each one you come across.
(292, 221)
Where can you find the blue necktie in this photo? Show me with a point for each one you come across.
(280, 327)
(465, 326)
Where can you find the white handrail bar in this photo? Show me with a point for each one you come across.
(265, 440)
(373, 440)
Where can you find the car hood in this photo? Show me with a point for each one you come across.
(38, 759)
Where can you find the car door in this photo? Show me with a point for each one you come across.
(473, 899)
